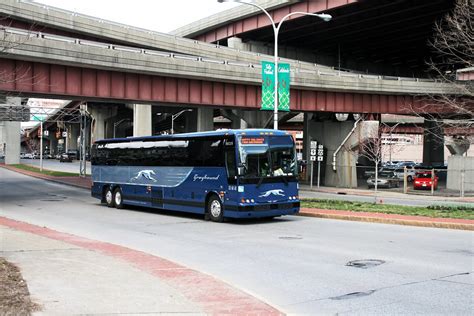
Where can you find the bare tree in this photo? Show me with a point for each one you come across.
(453, 47)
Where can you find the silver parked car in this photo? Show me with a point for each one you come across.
(386, 179)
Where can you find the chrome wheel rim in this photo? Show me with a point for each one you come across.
(118, 198)
(216, 208)
(108, 197)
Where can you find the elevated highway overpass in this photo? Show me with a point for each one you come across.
(52, 65)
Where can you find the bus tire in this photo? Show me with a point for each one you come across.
(109, 197)
(214, 210)
(118, 198)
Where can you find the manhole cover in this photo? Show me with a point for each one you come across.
(365, 264)
(352, 295)
(290, 237)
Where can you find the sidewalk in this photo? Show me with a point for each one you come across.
(70, 275)
(450, 223)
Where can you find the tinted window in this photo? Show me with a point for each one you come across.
(200, 152)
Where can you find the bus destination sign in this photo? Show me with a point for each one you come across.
(252, 140)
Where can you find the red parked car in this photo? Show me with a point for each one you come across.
(423, 181)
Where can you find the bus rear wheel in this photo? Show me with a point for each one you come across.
(118, 198)
(215, 211)
(109, 197)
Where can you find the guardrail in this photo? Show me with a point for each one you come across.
(316, 68)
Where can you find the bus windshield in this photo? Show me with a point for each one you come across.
(268, 156)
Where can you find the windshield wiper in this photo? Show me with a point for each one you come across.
(284, 180)
(260, 181)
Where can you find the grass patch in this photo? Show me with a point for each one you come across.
(45, 172)
(435, 211)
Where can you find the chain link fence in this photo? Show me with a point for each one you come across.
(418, 180)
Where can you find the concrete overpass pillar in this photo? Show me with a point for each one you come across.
(258, 119)
(100, 128)
(235, 42)
(236, 118)
(331, 134)
(199, 120)
(142, 120)
(433, 144)
(72, 136)
(10, 137)
(205, 119)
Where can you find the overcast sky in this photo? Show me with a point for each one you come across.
(157, 15)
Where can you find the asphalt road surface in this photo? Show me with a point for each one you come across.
(297, 264)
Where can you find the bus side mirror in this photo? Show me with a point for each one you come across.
(240, 170)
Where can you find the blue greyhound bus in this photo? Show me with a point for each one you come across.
(221, 174)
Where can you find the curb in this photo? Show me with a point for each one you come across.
(393, 221)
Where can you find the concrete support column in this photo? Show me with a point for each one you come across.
(307, 136)
(142, 120)
(433, 144)
(10, 137)
(331, 134)
(235, 116)
(100, 128)
(258, 119)
(235, 42)
(73, 134)
(199, 120)
(205, 119)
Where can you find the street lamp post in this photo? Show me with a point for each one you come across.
(175, 116)
(276, 30)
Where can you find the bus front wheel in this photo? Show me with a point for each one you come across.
(109, 197)
(118, 198)
(215, 210)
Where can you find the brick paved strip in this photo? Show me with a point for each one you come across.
(451, 223)
(214, 296)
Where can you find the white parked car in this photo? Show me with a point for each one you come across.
(410, 173)
(29, 156)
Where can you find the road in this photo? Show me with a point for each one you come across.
(297, 264)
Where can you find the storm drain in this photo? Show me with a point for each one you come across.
(365, 264)
(352, 295)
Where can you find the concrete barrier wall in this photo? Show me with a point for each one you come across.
(460, 172)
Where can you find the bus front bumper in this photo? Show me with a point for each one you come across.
(262, 210)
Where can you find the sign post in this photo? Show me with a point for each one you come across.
(320, 158)
(312, 158)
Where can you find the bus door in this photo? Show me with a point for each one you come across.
(157, 197)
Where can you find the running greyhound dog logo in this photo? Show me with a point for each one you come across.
(278, 192)
(147, 174)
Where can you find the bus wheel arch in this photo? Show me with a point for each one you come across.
(214, 208)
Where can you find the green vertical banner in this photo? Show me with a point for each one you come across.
(283, 87)
(268, 85)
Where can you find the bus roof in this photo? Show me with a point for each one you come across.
(221, 132)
